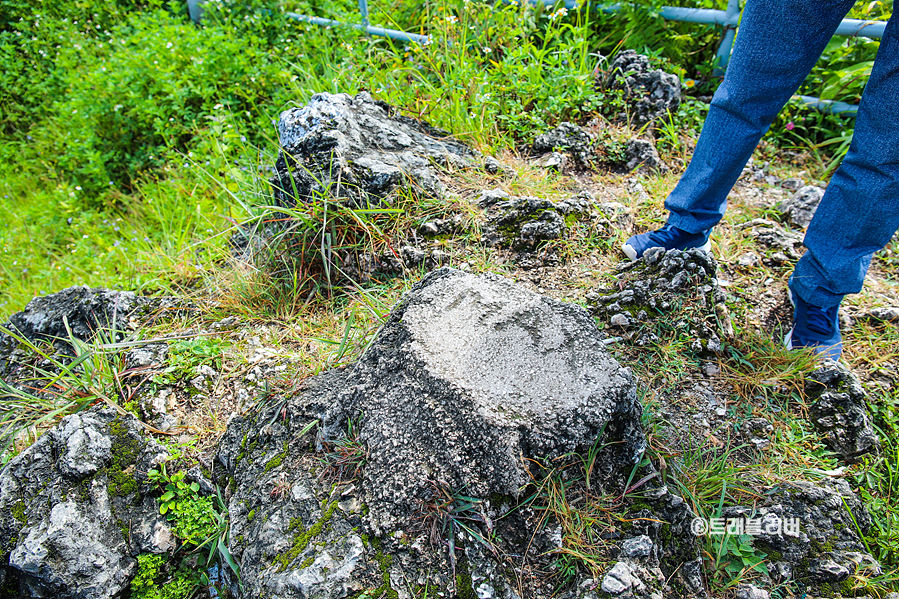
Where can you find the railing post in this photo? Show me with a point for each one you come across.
(363, 9)
(195, 9)
(727, 42)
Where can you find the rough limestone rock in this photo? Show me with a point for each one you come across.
(642, 154)
(496, 373)
(570, 138)
(825, 548)
(748, 591)
(74, 511)
(799, 208)
(662, 557)
(650, 93)
(649, 287)
(523, 223)
(359, 149)
(792, 184)
(881, 314)
(471, 378)
(86, 310)
(839, 412)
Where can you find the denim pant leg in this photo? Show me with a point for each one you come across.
(859, 212)
(777, 44)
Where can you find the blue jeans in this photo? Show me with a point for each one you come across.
(777, 45)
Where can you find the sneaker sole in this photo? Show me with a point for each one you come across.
(631, 252)
(788, 339)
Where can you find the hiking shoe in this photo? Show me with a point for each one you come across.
(668, 237)
(815, 327)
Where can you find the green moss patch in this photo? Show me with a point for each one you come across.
(303, 537)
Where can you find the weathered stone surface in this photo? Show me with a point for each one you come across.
(493, 371)
(471, 378)
(839, 412)
(523, 223)
(799, 208)
(825, 546)
(881, 314)
(86, 310)
(650, 93)
(359, 149)
(748, 591)
(73, 509)
(570, 138)
(553, 161)
(792, 184)
(641, 154)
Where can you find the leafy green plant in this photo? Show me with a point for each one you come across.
(728, 558)
(200, 522)
(732, 557)
(155, 581)
(194, 517)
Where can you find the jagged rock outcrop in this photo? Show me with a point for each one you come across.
(471, 378)
(74, 510)
(649, 93)
(570, 138)
(784, 245)
(810, 534)
(660, 555)
(641, 154)
(86, 310)
(358, 149)
(523, 223)
(651, 286)
(839, 411)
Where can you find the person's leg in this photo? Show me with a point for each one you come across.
(777, 44)
(859, 212)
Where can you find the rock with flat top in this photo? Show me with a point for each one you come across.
(471, 380)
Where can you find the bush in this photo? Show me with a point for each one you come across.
(150, 88)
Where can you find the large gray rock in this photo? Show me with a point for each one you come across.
(650, 93)
(471, 379)
(74, 512)
(86, 310)
(357, 148)
(839, 412)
